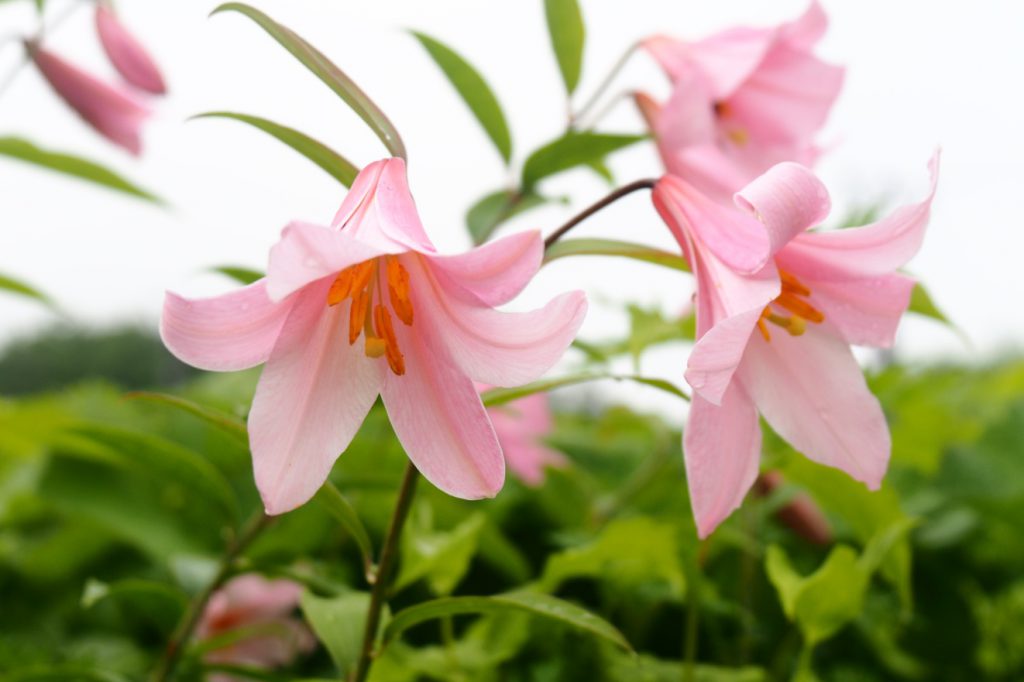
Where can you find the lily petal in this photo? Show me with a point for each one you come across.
(226, 333)
(722, 450)
(494, 347)
(126, 53)
(806, 30)
(875, 249)
(440, 421)
(865, 311)
(788, 199)
(306, 253)
(495, 273)
(813, 393)
(311, 399)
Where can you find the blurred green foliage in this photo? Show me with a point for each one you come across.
(114, 511)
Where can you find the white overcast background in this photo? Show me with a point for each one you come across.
(920, 74)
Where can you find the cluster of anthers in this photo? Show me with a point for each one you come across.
(365, 284)
(793, 300)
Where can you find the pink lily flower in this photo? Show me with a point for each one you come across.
(521, 425)
(126, 53)
(368, 307)
(263, 608)
(777, 310)
(743, 100)
(112, 112)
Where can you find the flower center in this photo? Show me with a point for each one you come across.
(365, 284)
(796, 311)
(738, 136)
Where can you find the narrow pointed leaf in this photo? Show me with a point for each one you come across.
(501, 396)
(565, 26)
(340, 168)
(571, 150)
(19, 288)
(238, 273)
(344, 513)
(474, 90)
(225, 422)
(327, 72)
(75, 166)
(614, 247)
(921, 303)
(542, 605)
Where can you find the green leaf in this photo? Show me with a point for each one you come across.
(613, 247)
(338, 623)
(160, 602)
(571, 150)
(501, 396)
(474, 90)
(239, 274)
(628, 553)
(19, 288)
(327, 72)
(340, 168)
(921, 303)
(344, 513)
(233, 425)
(75, 166)
(542, 605)
(487, 214)
(441, 557)
(565, 26)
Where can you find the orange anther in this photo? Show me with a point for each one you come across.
(382, 322)
(357, 315)
(398, 290)
(799, 306)
(764, 329)
(792, 284)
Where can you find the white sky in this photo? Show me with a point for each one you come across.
(920, 73)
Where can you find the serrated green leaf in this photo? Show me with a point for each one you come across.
(487, 214)
(338, 624)
(344, 513)
(74, 166)
(19, 288)
(567, 32)
(474, 90)
(613, 247)
(239, 274)
(501, 396)
(571, 150)
(327, 72)
(542, 605)
(336, 165)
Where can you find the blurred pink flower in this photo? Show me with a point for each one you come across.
(112, 112)
(259, 611)
(742, 101)
(126, 53)
(370, 275)
(521, 426)
(777, 309)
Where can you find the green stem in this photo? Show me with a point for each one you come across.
(388, 554)
(183, 633)
(605, 84)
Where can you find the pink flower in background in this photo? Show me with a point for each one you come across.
(777, 309)
(262, 609)
(521, 426)
(112, 112)
(743, 100)
(367, 307)
(126, 53)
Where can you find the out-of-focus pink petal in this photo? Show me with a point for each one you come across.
(727, 58)
(712, 169)
(865, 311)
(279, 641)
(313, 395)
(110, 111)
(494, 347)
(306, 253)
(126, 53)
(812, 392)
(437, 415)
(788, 199)
(226, 333)
(521, 426)
(492, 274)
(875, 249)
(806, 30)
(257, 597)
(379, 210)
(787, 98)
(648, 107)
(687, 118)
(722, 450)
